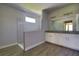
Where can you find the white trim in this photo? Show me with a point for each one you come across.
(21, 46)
(5, 46)
(32, 46)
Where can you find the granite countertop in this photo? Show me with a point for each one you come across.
(68, 32)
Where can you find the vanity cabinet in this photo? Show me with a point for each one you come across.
(64, 39)
(73, 41)
(51, 38)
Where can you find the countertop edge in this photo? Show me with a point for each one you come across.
(66, 32)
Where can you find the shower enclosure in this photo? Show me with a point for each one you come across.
(28, 31)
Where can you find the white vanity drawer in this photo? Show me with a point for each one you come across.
(51, 37)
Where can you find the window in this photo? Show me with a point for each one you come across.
(30, 20)
(69, 26)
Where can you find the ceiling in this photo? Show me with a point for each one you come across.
(38, 7)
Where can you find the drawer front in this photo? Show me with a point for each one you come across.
(51, 38)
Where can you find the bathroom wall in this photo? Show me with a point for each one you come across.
(8, 26)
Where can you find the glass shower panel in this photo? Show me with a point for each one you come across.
(20, 34)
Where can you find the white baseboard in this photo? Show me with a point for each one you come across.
(32, 46)
(21, 46)
(1, 47)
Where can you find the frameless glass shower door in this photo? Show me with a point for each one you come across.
(20, 34)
